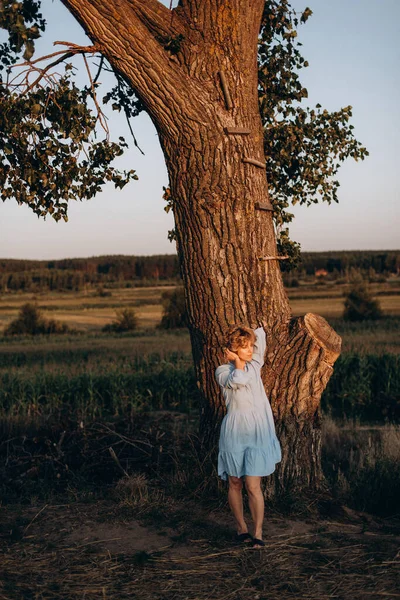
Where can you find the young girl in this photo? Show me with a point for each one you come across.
(248, 446)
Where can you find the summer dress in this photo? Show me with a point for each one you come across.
(248, 444)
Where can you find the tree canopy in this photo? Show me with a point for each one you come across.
(55, 143)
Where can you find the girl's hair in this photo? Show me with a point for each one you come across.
(238, 336)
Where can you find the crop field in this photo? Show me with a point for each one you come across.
(88, 311)
(91, 310)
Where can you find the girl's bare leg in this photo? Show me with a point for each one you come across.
(235, 500)
(256, 503)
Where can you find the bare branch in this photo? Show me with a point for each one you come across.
(63, 55)
(74, 48)
(100, 113)
(44, 71)
(99, 70)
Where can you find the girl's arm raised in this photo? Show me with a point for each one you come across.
(259, 347)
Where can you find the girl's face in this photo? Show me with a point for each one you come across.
(245, 352)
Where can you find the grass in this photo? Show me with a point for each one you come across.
(364, 387)
(194, 560)
(101, 375)
(98, 385)
(158, 454)
(362, 464)
(150, 519)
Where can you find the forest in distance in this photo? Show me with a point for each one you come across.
(78, 273)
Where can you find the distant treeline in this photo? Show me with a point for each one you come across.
(78, 273)
(382, 261)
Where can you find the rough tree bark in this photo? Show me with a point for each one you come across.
(221, 235)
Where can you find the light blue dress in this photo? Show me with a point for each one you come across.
(248, 444)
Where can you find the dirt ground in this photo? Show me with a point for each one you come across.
(101, 551)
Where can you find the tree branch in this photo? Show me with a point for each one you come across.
(130, 34)
(159, 20)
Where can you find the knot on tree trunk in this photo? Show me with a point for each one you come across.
(299, 366)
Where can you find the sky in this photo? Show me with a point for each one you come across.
(353, 49)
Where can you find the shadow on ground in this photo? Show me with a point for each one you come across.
(103, 550)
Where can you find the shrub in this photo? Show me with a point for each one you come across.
(126, 320)
(359, 304)
(103, 293)
(174, 309)
(30, 321)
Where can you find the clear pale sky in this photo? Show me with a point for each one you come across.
(353, 47)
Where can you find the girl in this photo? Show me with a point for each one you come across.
(248, 446)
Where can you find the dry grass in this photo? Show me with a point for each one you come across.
(362, 464)
(90, 311)
(333, 307)
(71, 552)
(160, 528)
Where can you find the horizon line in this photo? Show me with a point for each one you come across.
(175, 254)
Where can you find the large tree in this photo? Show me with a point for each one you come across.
(219, 79)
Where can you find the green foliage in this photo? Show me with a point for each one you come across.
(169, 206)
(78, 273)
(124, 98)
(303, 147)
(119, 271)
(48, 149)
(126, 320)
(174, 309)
(342, 262)
(287, 247)
(31, 322)
(360, 305)
(16, 18)
(49, 155)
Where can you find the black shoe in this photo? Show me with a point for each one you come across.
(243, 538)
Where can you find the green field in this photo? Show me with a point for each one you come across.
(95, 374)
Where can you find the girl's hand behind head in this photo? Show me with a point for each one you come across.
(229, 355)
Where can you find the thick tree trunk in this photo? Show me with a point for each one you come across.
(222, 237)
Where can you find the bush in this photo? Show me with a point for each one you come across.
(174, 309)
(103, 293)
(126, 320)
(31, 322)
(359, 304)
